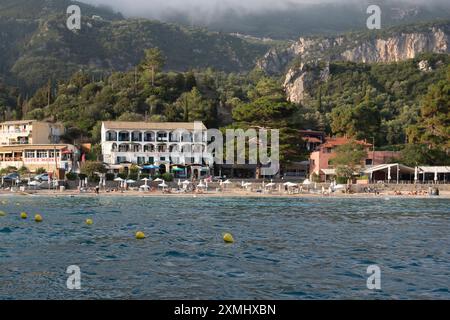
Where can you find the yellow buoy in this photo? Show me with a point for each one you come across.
(140, 235)
(89, 222)
(23, 215)
(2, 213)
(38, 218)
(228, 238)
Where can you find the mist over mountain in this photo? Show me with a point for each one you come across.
(282, 19)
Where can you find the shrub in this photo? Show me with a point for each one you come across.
(71, 176)
(341, 180)
(110, 176)
(40, 171)
(123, 175)
(167, 177)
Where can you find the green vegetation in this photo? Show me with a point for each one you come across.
(348, 159)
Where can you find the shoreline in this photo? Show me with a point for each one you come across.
(227, 194)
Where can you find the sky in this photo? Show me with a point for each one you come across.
(161, 8)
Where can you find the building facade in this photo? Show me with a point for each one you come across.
(26, 132)
(50, 157)
(320, 159)
(164, 145)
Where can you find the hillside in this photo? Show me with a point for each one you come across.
(37, 47)
(299, 63)
(288, 20)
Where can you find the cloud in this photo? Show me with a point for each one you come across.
(206, 9)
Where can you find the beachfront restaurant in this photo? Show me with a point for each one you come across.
(52, 158)
(390, 173)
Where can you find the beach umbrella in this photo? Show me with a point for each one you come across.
(248, 184)
(146, 180)
(416, 169)
(227, 182)
(163, 185)
(130, 181)
(306, 182)
(389, 174)
(118, 179)
(201, 185)
(270, 185)
(186, 182)
(435, 174)
(158, 180)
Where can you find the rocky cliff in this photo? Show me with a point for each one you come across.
(386, 46)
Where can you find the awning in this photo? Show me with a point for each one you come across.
(434, 169)
(392, 166)
(329, 172)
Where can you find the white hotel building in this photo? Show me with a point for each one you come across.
(162, 144)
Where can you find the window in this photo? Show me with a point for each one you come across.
(29, 154)
(151, 160)
(162, 159)
(369, 162)
(140, 160)
(42, 154)
(53, 154)
(121, 159)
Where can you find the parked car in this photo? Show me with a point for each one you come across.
(11, 177)
(41, 177)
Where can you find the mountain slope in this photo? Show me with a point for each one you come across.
(38, 47)
(308, 59)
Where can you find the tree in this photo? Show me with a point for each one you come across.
(154, 60)
(420, 154)
(433, 127)
(348, 158)
(91, 168)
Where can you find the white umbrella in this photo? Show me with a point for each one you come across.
(286, 183)
(269, 185)
(306, 182)
(201, 185)
(34, 183)
(146, 180)
(158, 180)
(389, 174)
(290, 184)
(435, 174)
(185, 182)
(227, 182)
(163, 185)
(119, 179)
(416, 173)
(130, 181)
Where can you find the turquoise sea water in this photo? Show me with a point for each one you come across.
(285, 248)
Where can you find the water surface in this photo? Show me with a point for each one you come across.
(286, 248)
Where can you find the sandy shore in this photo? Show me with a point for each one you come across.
(228, 194)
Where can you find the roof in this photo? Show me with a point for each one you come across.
(22, 147)
(312, 139)
(125, 125)
(17, 122)
(337, 141)
(329, 172)
(435, 169)
(385, 167)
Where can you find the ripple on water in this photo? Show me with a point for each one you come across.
(285, 248)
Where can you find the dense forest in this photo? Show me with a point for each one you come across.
(394, 104)
(137, 70)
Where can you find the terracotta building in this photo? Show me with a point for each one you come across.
(320, 159)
